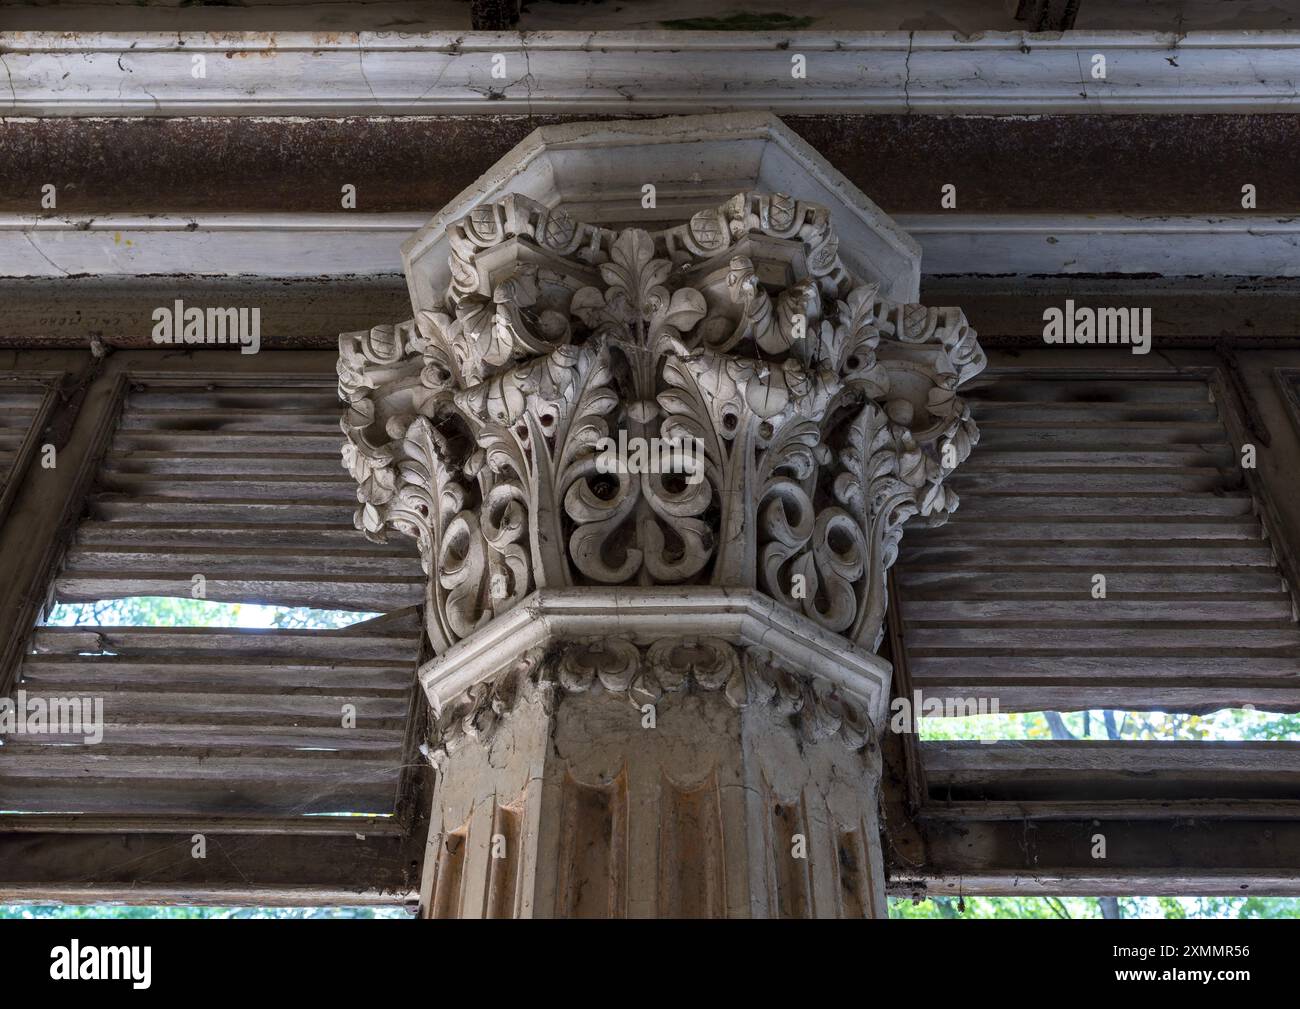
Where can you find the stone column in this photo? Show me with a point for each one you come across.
(655, 752)
(657, 475)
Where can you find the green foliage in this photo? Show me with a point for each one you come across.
(165, 611)
(121, 911)
(1228, 724)
(899, 907)
(1090, 907)
(744, 22)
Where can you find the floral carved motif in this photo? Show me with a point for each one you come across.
(825, 416)
(649, 675)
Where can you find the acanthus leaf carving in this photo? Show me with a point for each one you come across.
(790, 419)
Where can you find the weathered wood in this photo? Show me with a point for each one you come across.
(168, 535)
(1075, 477)
(1039, 612)
(997, 670)
(344, 644)
(46, 507)
(1026, 530)
(1053, 769)
(272, 417)
(218, 486)
(158, 399)
(1252, 401)
(1203, 553)
(252, 560)
(131, 823)
(1035, 583)
(357, 867)
(233, 463)
(1049, 413)
(1067, 637)
(25, 410)
(107, 507)
(184, 786)
(245, 722)
(239, 457)
(1084, 504)
(199, 722)
(1082, 479)
(1167, 810)
(908, 757)
(262, 443)
(1042, 386)
(371, 592)
(237, 708)
(325, 674)
(1067, 459)
(166, 742)
(1182, 852)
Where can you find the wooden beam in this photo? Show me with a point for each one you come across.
(1278, 882)
(1102, 770)
(359, 868)
(46, 387)
(46, 505)
(1145, 855)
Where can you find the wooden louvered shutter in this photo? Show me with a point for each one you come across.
(240, 482)
(244, 485)
(1129, 478)
(1135, 479)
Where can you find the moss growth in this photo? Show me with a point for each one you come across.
(744, 22)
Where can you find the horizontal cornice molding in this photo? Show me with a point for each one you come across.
(356, 244)
(1236, 245)
(644, 73)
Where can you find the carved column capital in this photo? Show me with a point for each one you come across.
(720, 402)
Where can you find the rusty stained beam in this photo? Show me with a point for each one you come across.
(1134, 164)
(1047, 15)
(493, 15)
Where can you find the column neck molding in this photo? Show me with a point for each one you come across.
(552, 619)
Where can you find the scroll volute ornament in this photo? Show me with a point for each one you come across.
(824, 415)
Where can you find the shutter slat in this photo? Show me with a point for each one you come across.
(245, 486)
(1163, 770)
(1132, 479)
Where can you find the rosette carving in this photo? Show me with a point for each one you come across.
(792, 420)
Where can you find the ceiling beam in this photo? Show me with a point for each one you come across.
(643, 73)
